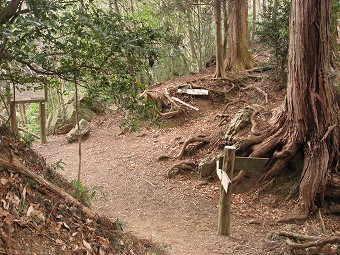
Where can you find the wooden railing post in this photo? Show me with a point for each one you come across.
(225, 195)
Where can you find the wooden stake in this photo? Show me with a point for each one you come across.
(13, 118)
(42, 110)
(225, 195)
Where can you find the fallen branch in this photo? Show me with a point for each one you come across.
(189, 141)
(184, 103)
(28, 132)
(14, 164)
(169, 114)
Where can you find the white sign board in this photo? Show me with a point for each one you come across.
(195, 92)
(225, 180)
(29, 92)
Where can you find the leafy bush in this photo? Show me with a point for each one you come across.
(81, 43)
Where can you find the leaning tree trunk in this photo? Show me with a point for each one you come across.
(238, 56)
(309, 121)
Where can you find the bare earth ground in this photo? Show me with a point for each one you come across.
(181, 212)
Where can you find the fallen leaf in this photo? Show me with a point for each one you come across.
(104, 242)
(101, 252)
(59, 241)
(3, 181)
(23, 195)
(30, 210)
(5, 205)
(41, 216)
(87, 245)
(66, 226)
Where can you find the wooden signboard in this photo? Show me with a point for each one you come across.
(29, 93)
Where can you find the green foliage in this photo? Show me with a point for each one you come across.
(23, 206)
(120, 225)
(273, 32)
(58, 165)
(27, 138)
(85, 194)
(33, 119)
(82, 42)
(142, 112)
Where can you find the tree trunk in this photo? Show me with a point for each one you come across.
(220, 72)
(115, 6)
(225, 27)
(309, 88)
(238, 57)
(192, 40)
(309, 121)
(253, 24)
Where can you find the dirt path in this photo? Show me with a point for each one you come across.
(180, 212)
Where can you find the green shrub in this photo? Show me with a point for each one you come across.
(273, 32)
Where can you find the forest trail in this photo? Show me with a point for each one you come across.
(181, 213)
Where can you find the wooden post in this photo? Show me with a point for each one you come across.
(13, 118)
(42, 111)
(225, 195)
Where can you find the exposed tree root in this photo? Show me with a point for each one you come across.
(239, 177)
(312, 241)
(258, 89)
(180, 168)
(266, 186)
(259, 69)
(168, 115)
(335, 209)
(231, 103)
(200, 139)
(223, 118)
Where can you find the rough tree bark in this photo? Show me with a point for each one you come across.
(309, 120)
(238, 57)
(220, 72)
